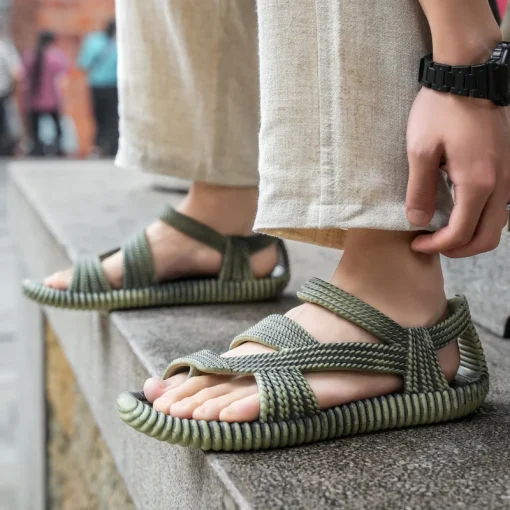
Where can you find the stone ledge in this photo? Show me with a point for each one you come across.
(59, 210)
(484, 279)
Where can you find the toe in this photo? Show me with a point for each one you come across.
(212, 408)
(60, 280)
(245, 409)
(187, 389)
(185, 408)
(155, 387)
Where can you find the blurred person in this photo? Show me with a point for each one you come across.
(44, 65)
(98, 57)
(11, 71)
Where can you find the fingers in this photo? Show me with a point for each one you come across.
(469, 205)
(488, 234)
(422, 185)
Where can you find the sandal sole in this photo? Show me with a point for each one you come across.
(389, 412)
(186, 292)
(464, 396)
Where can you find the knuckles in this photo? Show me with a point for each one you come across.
(484, 178)
(420, 151)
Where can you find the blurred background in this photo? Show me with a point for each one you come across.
(58, 99)
(58, 78)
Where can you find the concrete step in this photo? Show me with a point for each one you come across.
(62, 210)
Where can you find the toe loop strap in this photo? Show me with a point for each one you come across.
(202, 362)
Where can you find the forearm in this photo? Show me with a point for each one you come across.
(463, 31)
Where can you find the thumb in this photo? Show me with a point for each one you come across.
(422, 186)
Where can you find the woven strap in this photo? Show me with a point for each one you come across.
(365, 316)
(236, 250)
(89, 276)
(138, 263)
(284, 391)
(276, 331)
(285, 394)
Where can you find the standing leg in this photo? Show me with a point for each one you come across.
(96, 109)
(337, 84)
(109, 121)
(55, 115)
(195, 117)
(113, 120)
(4, 131)
(37, 148)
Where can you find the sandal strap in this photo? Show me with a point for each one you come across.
(284, 390)
(236, 250)
(365, 316)
(194, 229)
(318, 357)
(138, 263)
(285, 395)
(89, 276)
(201, 362)
(346, 356)
(276, 331)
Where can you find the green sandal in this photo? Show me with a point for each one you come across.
(90, 290)
(289, 412)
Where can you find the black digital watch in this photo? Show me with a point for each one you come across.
(485, 81)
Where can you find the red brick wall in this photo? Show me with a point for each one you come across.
(71, 20)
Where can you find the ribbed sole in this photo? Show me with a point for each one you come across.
(184, 292)
(370, 415)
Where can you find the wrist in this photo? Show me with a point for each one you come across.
(464, 47)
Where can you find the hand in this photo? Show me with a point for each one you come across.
(469, 139)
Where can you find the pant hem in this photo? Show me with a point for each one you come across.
(329, 231)
(134, 157)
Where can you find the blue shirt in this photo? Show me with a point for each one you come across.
(98, 57)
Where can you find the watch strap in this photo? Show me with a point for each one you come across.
(461, 80)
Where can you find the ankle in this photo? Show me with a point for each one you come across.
(230, 211)
(380, 268)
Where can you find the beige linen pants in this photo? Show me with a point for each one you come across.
(313, 96)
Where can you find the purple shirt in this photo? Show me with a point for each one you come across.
(47, 97)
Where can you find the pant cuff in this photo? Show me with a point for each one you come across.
(327, 225)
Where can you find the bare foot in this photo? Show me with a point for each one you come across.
(227, 399)
(230, 211)
(405, 286)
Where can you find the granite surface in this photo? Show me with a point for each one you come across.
(465, 465)
(485, 280)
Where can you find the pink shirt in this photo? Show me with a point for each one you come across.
(47, 97)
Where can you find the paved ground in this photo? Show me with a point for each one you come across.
(7, 355)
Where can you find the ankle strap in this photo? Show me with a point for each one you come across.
(194, 229)
(236, 250)
(387, 330)
(209, 236)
